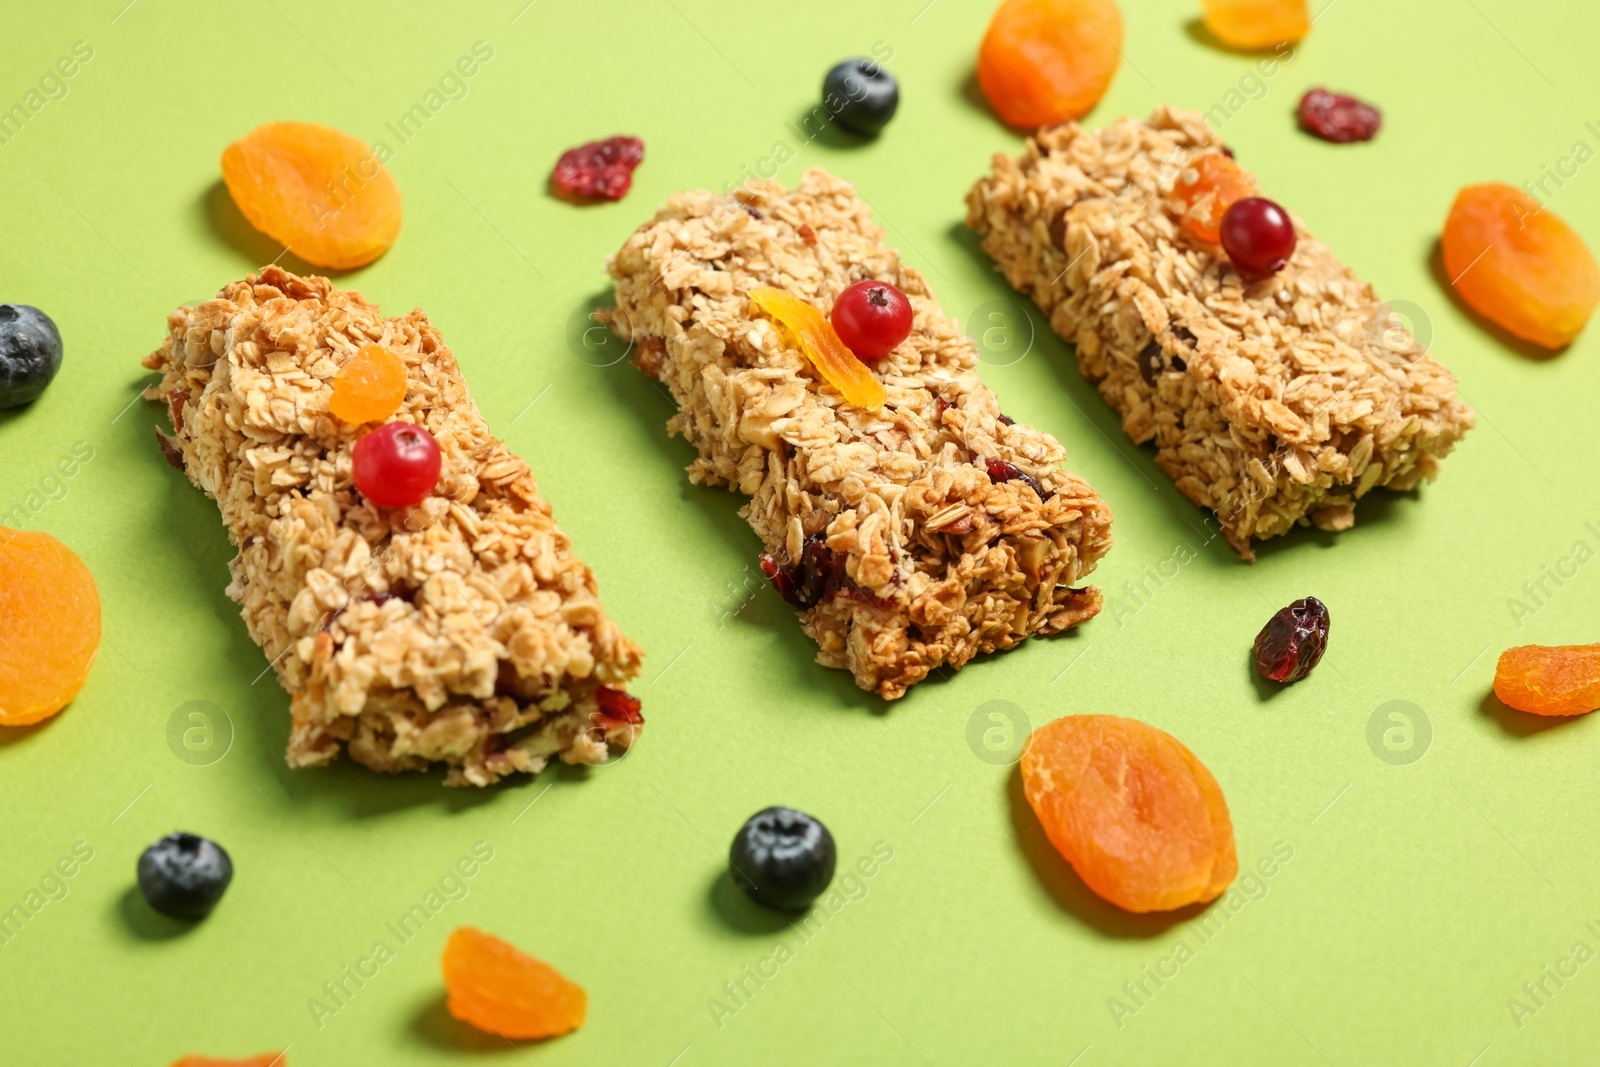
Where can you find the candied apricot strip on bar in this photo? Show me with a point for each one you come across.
(461, 630)
(1273, 401)
(912, 536)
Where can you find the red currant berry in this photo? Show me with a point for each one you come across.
(871, 318)
(396, 465)
(1257, 235)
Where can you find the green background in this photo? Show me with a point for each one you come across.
(1420, 895)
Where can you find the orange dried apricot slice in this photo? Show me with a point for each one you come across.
(1043, 62)
(369, 388)
(1252, 24)
(318, 190)
(501, 990)
(1518, 265)
(1549, 680)
(1206, 189)
(821, 345)
(266, 1059)
(49, 626)
(1136, 814)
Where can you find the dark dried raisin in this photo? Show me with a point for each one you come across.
(1151, 362)
(1001, 471)
(805, 582)
(170, 449)
(1293, 641)
(1338, 118)
(599, 168)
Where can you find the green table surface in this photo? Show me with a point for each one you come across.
(1422, 869)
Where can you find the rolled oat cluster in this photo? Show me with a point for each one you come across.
(462, 630)
(1272, 402)
(912, 554)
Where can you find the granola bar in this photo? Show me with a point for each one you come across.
(1273, 402)
(460, 631)
(908, 554)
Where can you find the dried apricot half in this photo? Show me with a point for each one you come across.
(822, 346)
(369, 388)
(1253, 24)
(1048, 61)
(266, 1059)
(318, 190)
(1136, 814)
(49, 626)
(1206, 189)
(1549, 680)
(502, 990)
(1518, 265)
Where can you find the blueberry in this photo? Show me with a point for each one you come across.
(861, 95)
(30, 353)
(782, 858)
(184, 875)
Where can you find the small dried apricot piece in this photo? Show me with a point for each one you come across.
(1043, 62)
(266, 1059)
(318, 190)
(49, 626)
(1518, 265)
(1549, 680)
(1252, 24)
(1206, 189)
(369, 388)
(501, 990)
(821, 345)
(1136, 814)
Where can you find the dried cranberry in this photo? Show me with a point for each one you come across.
(1338, 118)
(619, 706)
(1001, 471)
(599, 168)
(1005, 420)
(170, 449)
(781, 577)
(1293, 641)
(804, 583)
